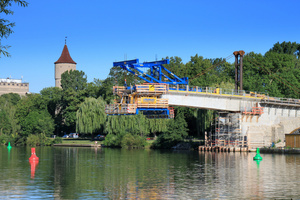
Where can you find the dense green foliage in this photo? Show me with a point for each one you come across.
(91, 116)
(80, 106)
(175, 133)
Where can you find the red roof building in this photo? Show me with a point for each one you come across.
(63, 64)
(65, 57)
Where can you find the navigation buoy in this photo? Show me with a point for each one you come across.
(8, 147)
(257, 156)
(33, 157)
(33, 160)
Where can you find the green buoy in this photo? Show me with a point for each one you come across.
(9, 147)
(257, 156)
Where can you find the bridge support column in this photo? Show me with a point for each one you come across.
(238, 77)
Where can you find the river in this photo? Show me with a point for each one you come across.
(103, 173)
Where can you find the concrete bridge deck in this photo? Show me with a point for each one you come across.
(278, 116)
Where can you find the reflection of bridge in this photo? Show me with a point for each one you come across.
(254, 120)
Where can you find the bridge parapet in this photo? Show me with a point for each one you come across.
(215, 91)
(281, 101)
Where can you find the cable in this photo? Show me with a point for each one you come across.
(213, 66)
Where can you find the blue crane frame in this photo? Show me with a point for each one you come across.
(157, 71)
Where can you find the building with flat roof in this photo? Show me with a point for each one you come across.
(8, 85)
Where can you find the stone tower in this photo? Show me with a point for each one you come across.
(64, 63)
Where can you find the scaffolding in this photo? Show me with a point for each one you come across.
(145, 98)
(228, 130)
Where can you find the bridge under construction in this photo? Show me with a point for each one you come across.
(245, 119)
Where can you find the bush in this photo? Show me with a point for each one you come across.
(129, 141)
(113, 140)
(38, 140)
(33, 140)
(57, 140)
(166, 141)
(4, 139)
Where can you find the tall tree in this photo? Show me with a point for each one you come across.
(33, 115)
(6, 25)
(91, 117)
(74, 85)
(8, 120)
(74, 79)
(291, 48)
(53, 99)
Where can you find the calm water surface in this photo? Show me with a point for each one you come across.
(89, 173)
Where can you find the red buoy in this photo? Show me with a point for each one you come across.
(33, 157)
(33, 160)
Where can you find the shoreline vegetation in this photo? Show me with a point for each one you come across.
(79, 106)
(187, 145)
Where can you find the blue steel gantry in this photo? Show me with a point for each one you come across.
(145, 98)
(157, 73)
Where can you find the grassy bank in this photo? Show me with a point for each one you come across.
(79, 141)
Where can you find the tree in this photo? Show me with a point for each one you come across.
(275, 74)
(91, 117)
(37, 122)
(5, 25)
(8, 121)
(157, 125)
(53, 99)
(70, 104)
(134, 124)
(33, 115)
(74, 79)
(12, 98)
(286, 48)
(176, 132)
(74, 84)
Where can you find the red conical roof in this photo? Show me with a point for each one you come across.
(65, 57)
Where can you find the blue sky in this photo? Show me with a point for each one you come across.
(101, 32)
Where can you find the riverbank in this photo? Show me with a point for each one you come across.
(77, 145)
(70, 142)
(280, 150)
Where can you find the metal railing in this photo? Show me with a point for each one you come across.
(216, 91)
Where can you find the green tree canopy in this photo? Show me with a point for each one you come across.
(74, 85)
(33, 115)
(91, 117)
(8, 121)
(74, 79)
(291, 48)
(37, 122)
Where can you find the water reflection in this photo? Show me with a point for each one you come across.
(93, 173)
